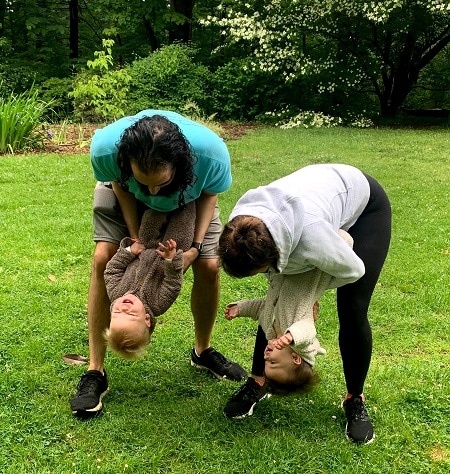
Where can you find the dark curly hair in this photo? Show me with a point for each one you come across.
(152, 142)
(246, 246)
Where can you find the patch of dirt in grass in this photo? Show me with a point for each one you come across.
(439, 454)
(76, 138)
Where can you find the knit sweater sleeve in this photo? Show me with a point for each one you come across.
(116, 267)
(305, 341)
(295, 311)
(250, 308)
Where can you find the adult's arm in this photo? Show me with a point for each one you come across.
(128, 205)
(325, 249)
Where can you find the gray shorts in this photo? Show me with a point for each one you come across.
(109, 225)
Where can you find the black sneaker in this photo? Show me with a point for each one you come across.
(218, 365)
(243, 401)
(92, 388)
(359, 428)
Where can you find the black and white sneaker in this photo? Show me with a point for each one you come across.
(242, 402)
(359, 428)
(218, 365)
(92, 387)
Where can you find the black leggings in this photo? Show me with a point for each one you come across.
(371, 234)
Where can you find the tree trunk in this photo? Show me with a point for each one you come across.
(73, 29)
(2, 17)
(182, 31)
(152, 39)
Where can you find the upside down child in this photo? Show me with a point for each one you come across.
(286, 318)
(144, 278)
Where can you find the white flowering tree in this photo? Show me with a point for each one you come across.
(353, 45)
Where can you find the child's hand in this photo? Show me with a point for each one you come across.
(167, 251)
(231, 311)
(136, 248)
(282, 341)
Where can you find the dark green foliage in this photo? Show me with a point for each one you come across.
(56, 91)
(241, 93)
(433, 90)
(168, 79)
(16, 77)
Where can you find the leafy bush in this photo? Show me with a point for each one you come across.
(16, 78)
(168, 79)
(304, 119)
(56, 91)
(286, 118)
(20, 115)
(241, 93)
(100, 93)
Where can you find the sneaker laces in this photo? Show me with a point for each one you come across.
(88, 383)
(248, 391)
(358, 410)
(218, 359)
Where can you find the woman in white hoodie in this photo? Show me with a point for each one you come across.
(291, 226)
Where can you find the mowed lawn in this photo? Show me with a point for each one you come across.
(163, 416)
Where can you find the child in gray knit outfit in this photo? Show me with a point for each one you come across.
(144, 278)
(287, 317)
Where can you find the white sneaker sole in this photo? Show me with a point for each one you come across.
(92, 411)
(202, 367)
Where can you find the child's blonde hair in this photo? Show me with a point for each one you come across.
(301, 378)
(130, 345)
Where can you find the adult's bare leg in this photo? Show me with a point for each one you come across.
(204, 300)
(204, 304)
(98, 305)
(93, 386)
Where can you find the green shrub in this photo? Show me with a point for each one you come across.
(56, 91)
(241, 93)
(168, 79)
(16, 78)
(100, 93)
(20, 115)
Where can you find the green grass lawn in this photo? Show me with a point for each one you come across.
(162, 416)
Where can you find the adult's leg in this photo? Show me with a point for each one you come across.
(109, 228)
(243, 401)
(204, 304)
(98, 305)
(371, 234)
(204, 300)
(258, 355)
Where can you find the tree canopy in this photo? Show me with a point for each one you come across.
(349, 45)
(324, 55)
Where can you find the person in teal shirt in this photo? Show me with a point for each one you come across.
(160, 160)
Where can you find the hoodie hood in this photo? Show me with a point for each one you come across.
(282, 215)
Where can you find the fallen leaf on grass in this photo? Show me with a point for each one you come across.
(51, 277)
(75, 359)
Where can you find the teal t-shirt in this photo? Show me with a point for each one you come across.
(212, 168)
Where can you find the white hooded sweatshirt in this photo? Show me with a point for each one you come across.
(288, 307)
(303, 213)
